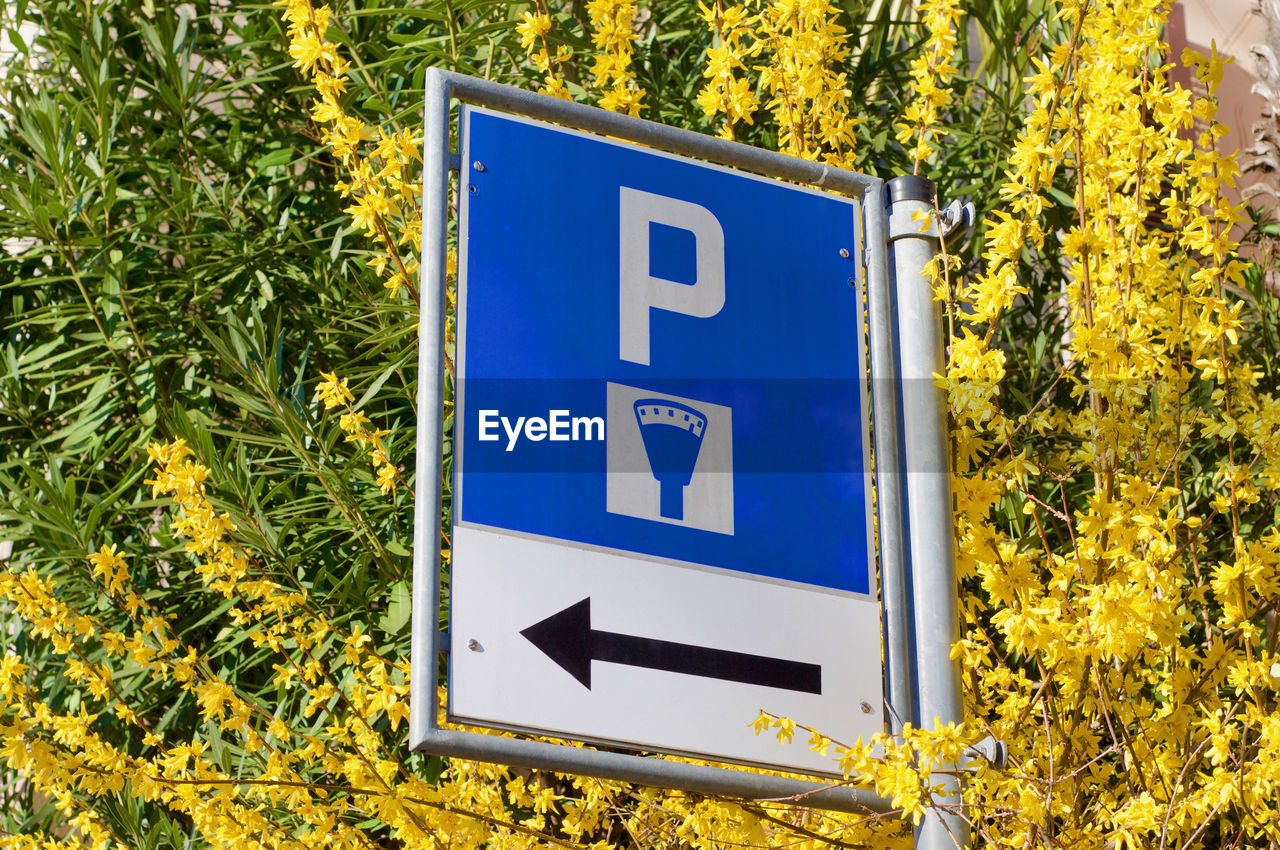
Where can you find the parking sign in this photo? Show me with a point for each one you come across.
(661, 518)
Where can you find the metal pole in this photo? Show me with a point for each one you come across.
(656, 773)
(671, 139)
(913, 242)
(895, 586)
(423, 648)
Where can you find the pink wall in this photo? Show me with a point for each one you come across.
(1234, 27)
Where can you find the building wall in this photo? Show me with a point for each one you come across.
(1234, 27)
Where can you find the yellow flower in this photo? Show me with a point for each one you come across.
(309, 49)
(333, 391)
(532, 27)
(108, 565)
(386, 478)
(353, 422)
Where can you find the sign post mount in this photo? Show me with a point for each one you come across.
(649, 520)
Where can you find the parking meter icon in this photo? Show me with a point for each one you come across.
(668, 458)
(672, 434)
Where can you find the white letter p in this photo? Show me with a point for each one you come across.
(639, 291)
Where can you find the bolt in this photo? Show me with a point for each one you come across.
(472, 188)
(866, 707)
(478, 165)
(474, 646)
(844, 252)
(853, 281)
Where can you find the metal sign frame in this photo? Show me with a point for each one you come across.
(425, 733)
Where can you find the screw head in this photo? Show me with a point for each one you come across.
(866, 707)
(474, 646)
(844, 252)
(478, 165)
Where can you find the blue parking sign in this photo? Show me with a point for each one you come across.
(661, 357)
(661, 518)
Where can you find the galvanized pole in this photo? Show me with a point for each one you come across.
(913, 242)
(895, 585)
(424, 646)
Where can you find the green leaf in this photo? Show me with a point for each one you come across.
(275, 159)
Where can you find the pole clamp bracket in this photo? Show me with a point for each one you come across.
(990, 750)
(958, 219)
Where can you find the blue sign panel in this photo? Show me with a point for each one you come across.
(659, 357)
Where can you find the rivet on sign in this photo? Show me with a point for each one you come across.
(844, 252)
(474, 646)
(853, 281)
(866, 706)
(478, 165)
(472, 188)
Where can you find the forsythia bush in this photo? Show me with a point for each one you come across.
(1116, 454)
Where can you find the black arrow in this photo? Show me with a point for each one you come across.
(568, 639)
